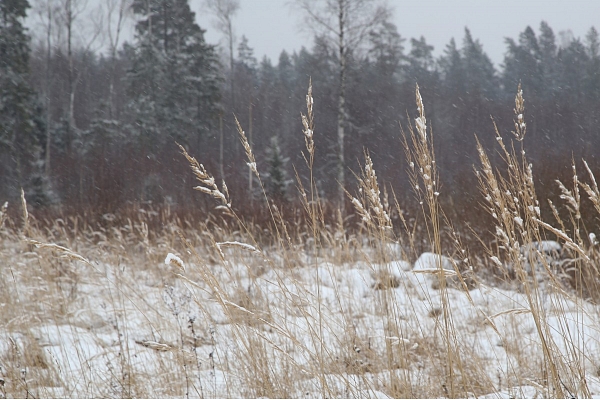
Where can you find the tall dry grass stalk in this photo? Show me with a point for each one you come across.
(511, 200)
(3, 214)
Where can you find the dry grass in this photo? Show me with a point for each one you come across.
(225, 308)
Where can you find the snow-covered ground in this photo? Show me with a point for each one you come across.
(251, 326)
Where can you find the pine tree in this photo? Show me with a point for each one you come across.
(547, 57)
(453, 72)
(421, 68)
(386, 48)
(479, 68)
(573, 61)
(467, 87)
(21, 124)
(420, 60)
(376, 106)
(522, 64)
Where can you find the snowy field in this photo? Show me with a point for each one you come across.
(235, 321)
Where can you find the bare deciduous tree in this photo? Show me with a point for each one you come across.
(67, 25)
(224, 11)
(46, 11)
(114, 29)
(86, 31)
(345, 24)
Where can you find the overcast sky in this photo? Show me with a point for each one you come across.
(272, 25)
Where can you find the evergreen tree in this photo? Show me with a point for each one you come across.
(246, 83)
(246, 54)
(453, 72)
(173, 81)
(386, 48)
(421, 65)
(21, 124)
(269, 96)
(284, 101)
(246, 76)
(285, 71)
(453, 88)
(468, 87)
(102, 148)
(547, 59)
(421, 69)
(592, 84)
(573, 61)
(375, 101)
(276, 178)
(479, 68)
(522, 64)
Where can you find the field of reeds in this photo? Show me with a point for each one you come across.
(149, 304)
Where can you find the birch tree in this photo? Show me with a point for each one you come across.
(82, 29)
(224, 12)
(117, 12)
(345, 24)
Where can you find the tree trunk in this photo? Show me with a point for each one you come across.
(341, 117)
(222, 172)
(47, 84)
(236, 143)
(250, 142)
(71, 78)
(231, 64)
(113, 54)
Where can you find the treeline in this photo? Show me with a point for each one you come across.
(86, 129)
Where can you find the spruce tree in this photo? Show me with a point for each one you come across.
(173, 81)
(21, 125)
(592, 41)
(276, 178)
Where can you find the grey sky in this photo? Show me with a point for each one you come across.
(271, 25)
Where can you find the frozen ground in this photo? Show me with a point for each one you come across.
(234, 328)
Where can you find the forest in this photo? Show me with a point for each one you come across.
(84, 128)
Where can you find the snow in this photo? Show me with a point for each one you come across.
(545, 246)
(237, 244)
(430, 260)
(124, 315)
(173, 259)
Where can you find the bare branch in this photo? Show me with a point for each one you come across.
(224, 11)
(359, 17)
